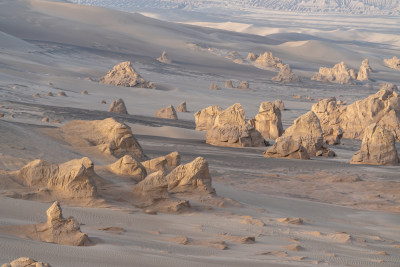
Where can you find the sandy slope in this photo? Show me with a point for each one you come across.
(350, 213)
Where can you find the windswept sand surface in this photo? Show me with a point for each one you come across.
(266, 212)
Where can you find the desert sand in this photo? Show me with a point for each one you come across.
(139, 190)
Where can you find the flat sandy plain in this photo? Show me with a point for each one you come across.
(350, 212)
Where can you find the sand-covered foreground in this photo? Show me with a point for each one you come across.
(254, 211)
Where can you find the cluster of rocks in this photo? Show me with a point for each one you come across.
(286, 75)
(25, 262)
(125, 75)
(235, 57)
(265, 61)
(393, 63)
(242, 85)
(340, 73)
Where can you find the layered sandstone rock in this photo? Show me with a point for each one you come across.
(108, 136)
(205, 118)
(229, 84)
(268, 121)
(128, 166)
(393, 63)
(118, 106)
(382, 108)
(243, 85)
(25, 262)
(377, 148)
(164, 59)
(125, 75)
(268, 61)
(340, 73)
(305, 133)
(279, 103)
(74, 178)
(365, 70)
(165, 164)
(182, 107)
(167, 113)
(286, 75)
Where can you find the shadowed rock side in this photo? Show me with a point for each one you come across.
(125, 75)
(182, 107)
(393, 63)
(230, 129)
(279, 103)
(286, 75)
(266, 61)
(165, 164)
(56, 230)
(340, 73)
(164, 59)
(364, 71)
(25, 262)
(128, 166)
(268, 121)
(167, 113)
(107, 136)
(304, 135)
(377, 148)
(118, 106)
(382, 108)
(73, 179)
(205, 118)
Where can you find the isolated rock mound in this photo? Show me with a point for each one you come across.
(267, 61)
(108, 136)
(378, 147)
(74, 178)
(167, 113)
(128, 166)
(214, 86)
(305, 133)
(229, 84)
(393, 63)
(365, 70)
(279, 103)
(235, 57)
(164, 59)
(125, 75)
(205, 118)
(286, 75)
(118, 106)
(268, 121)
(230, 129)
(25, 262)
(165, 164)
(182, 107)
(382, 108)
(340, 73)
(244, 85)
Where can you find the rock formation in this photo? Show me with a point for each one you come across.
(377, 148)
(229, 84)
(118, 106)
(235, 57)
(165, 164)
(365, 70)
(382, 108)
(167, 113)
(305, 133)
(25, 262)
(393, 63)
(213, 86)
(182, 107)
(286, 75)
(268, 121)
(128, 166)
(154, 186)
(74, 178)
(125, 75)
(230, 129)
(251, 57)
(205, 118)
(107, 136)
(268, 61)
(164, 59)
(243, 85)
(340, 73)
(279, 103)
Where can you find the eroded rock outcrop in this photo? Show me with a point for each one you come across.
(268, 121)
(182, 107)
(235, 57)
(25, 262)
(164, 59)
(74, 178)
(340, 73)
(125, 75)
(279, 103)
(128, 166)
(165, 164)
(286, 75)
(118, 106)
(382, 108)
(377, 148)
(108, 136)
(305, 133)
(267, 61)
(167, 113)
(364, 71)
(393, 63)
(205, 118)
(230, 129)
